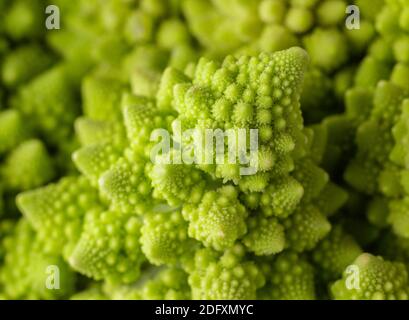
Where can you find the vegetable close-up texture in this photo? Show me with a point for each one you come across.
(204, 149)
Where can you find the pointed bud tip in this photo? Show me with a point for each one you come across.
(299, 54)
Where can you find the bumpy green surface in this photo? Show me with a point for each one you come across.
(378, 279)
(322, 211)
(228, 276)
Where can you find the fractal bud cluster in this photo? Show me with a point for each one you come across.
(91, 208)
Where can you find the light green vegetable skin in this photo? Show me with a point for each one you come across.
(325, 216)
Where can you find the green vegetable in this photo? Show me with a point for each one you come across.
(379, 279)
(109, 189)
(26, 269)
